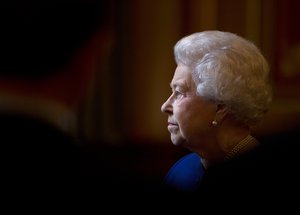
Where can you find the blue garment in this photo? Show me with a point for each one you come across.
(186, 173)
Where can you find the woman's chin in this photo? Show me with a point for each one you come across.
(177, 141)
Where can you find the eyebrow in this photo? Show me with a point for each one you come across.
(175, 85)
(178, 84)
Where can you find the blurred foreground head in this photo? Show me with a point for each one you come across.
(39, 37)
(51, 53)
(53, 43)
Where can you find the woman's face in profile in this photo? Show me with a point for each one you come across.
(189, 115)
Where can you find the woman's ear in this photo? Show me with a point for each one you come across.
(221, 112)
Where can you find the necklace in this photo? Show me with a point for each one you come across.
(245, 145)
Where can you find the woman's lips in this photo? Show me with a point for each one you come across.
(172, 126)
(171, 123)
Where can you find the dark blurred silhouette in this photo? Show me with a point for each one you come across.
(51, 52)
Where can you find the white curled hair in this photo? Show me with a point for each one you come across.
(228, 69)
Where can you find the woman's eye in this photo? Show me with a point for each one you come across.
(177, 94)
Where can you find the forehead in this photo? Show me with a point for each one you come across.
(182, 77)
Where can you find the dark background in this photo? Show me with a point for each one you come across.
(126, 96)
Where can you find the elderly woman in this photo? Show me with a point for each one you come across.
(220, 90)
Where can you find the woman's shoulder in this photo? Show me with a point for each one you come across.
(186, 173)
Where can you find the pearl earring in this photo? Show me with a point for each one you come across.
(214, 123)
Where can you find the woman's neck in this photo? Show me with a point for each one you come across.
(231, 139)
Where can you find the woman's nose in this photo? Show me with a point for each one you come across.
(166, 106)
